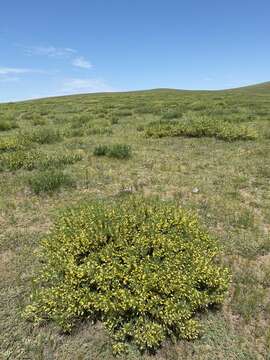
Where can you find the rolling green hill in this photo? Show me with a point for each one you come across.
(207, 151)
(262, 87)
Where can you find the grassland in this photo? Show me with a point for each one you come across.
(219, 168)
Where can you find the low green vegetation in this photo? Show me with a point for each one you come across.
(62, 163)
(118, 151)
(43, 136)
(49, 181)
(6, 125)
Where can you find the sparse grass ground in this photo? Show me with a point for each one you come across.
(226, 183)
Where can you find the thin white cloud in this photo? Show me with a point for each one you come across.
(85, 85)
(81, 62)
(50, 51)
(9, 79)
(9, 70)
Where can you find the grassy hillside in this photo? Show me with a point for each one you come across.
(258, 88)
(207, 151)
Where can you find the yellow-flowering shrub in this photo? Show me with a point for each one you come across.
(19, 160)
(11, 143)
(142, 266)
(200, 126)
(34, 159)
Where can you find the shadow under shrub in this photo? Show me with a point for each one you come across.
(142, 266)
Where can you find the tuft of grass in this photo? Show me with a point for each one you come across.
(118, 151)
(101, 150)
(123, 113)
(99, 131)
(49, 181)
(58, 160)
(114, 120)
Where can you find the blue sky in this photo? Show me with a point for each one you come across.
(60, 47)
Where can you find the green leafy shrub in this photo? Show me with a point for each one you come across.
(114, 120)
(123, 113)
(199, 105)
(172, 114)
(38, 120)
(30, 115)
(101, 150)
(119, 151)
(142, 266)
(144, 109)
(80, 120)
(49, 181)
(78, 132)
(95, 130)
(6, 125)
(44, 136)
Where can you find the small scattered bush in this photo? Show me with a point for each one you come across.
(119, 151)
(38, 121)
(142, 266)
(30, 115)
(114, 120)
(49, 181)
(80, 120)
(6, 125)
(123, 113)
(172, 114)
(44, 136)
(101, 150)
(78, 132)
(140, 128)
(144, 109)
(99, 131)
(199, 105)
